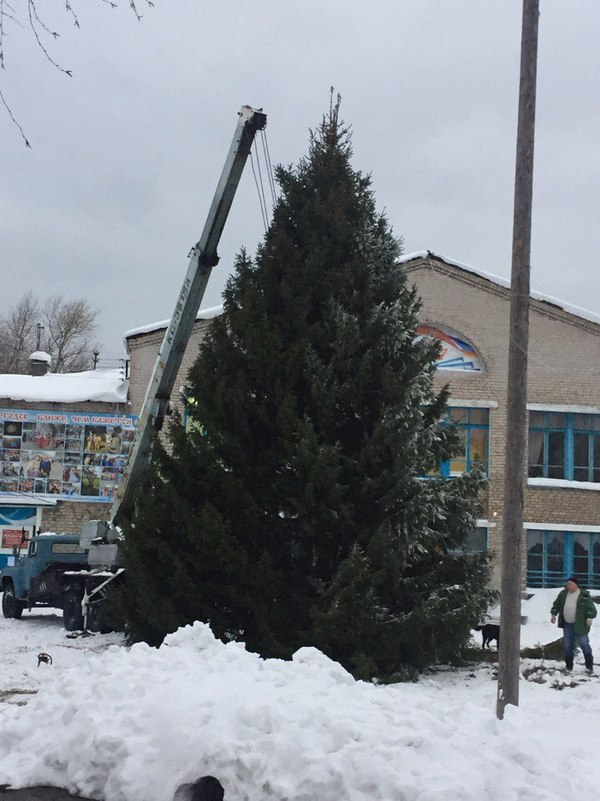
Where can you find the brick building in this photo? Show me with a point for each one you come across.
(468, 311)
(63, 441)
(143, 345)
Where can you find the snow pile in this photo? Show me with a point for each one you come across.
(91, 385)
(133, 725)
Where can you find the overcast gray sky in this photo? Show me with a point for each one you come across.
(127, 153)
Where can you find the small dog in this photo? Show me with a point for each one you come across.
(489, 632)
(45, 658)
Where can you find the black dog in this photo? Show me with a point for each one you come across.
(489, 632)
(45, 658)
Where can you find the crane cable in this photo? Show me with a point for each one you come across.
(258, 178)
(269, 165)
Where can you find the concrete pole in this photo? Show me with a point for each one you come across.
(515, 459)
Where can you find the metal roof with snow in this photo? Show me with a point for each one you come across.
(107, 386)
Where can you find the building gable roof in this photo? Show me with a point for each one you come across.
(576, 311)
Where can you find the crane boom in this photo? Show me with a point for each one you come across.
(203, 257)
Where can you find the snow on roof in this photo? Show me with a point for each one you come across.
(203, 314)
(577, 311)
(92, 385)
(40, 356)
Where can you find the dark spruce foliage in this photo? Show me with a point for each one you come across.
(300, 514)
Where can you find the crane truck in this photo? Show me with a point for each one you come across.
(73, 572)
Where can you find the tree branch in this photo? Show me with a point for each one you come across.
(15, 121)
(10, 13)
(69, 329)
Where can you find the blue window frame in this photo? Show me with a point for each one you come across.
(564, 445)
(553, 556)
(473, 427)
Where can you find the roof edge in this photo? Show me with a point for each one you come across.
(203, 314)
(569, 308)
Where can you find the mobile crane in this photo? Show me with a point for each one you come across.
(73, 573)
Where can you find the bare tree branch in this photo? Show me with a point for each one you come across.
(70, 329)
(68, 334)
(17, 339)
(18, 10)
(35, 20)
(7, 14)
(70, 11)
(11, 115)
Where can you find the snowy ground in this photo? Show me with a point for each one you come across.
(132, 725)
(21, 641)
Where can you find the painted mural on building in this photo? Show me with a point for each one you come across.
(456, 352)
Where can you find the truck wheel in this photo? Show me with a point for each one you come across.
(72, 614)
(99, 618)
(11, 606)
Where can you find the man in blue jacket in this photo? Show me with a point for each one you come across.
(576, 610)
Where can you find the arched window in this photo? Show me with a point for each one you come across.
(457, 352)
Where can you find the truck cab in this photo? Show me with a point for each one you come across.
(45, 576)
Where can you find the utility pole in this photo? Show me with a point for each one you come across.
(516, 423)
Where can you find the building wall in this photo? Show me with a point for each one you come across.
(564, 354)
(68, 517)
(144, 350)
(564, 370)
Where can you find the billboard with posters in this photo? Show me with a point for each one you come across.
(69, 455)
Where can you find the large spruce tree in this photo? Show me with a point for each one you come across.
(305, 506)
